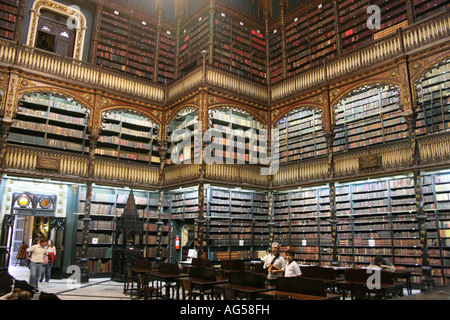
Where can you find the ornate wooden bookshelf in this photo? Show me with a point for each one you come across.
(129, 135)
(51, 121)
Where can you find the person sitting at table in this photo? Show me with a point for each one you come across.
(292, 269)
(274, 265)
(383, 263)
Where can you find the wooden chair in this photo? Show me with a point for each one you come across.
(144, 289)
(229, 293)
(313, 287)
(387, 287)
(130, 280)
(187, 291)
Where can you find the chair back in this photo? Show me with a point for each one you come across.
(310, 271)
(327, 273)
(229, 293)
(247, 279)
(203, 273)
(356, 275)
(259, 268)
(238, 265)
(302, 285)
(143, 264)
(199, 262)
(169, 268)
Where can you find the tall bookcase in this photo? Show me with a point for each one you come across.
(186, 120)
(353, 24)
(8, 18)
(128, 135)
(302, 222)
(425, 9)
(276, 56)
(236, 124)
(301, 136)
(50, 121)
(107, 205)
(129, 42)
(436, 193)
(434, 101)
(237, 223)
(371, 115)
(194, 39)
(240, 47)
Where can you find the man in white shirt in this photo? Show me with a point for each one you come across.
(292, 269)
(274, 264)
(38, 252)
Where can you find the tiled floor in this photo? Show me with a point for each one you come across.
(96, 289)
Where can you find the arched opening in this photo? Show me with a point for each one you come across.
(301, 135)
(367, 116)
(129, 135)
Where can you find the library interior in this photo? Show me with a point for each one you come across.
(225, 149)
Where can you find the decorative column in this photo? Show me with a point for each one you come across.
(160, 11)
(203, 103)
(97, 23)
(160, 222)
(283, 8)
(337, 28)
(271, 222)
(19, 22)
(427, 281)
(93, 138)
(267, 34)
(177, 50)
(212, 29)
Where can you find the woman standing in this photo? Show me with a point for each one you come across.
(47, 268)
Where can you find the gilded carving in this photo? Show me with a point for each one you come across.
(63, 10)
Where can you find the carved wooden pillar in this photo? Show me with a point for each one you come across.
(271, 222)
(177, 50)
(410, 12)
(159, 227)
(337, 27)
(427, 281)
(212, 29)
(160, 11)
(8, 114)
(4, 131)
(333, 222)
(203, 103)
(267, 34)
(96, 32)
(283, 7)
(19, 22)
(93, 138)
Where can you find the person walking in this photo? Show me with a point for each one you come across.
(47, 267)
(37, 254)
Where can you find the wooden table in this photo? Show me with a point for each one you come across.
(203, 285)
(248, 291)
(167, 278)
(442, 293)
(272, 295)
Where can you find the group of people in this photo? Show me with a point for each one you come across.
(41, 260)
(277, 266)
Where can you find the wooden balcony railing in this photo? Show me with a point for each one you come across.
(403, 41)
(88, 74)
